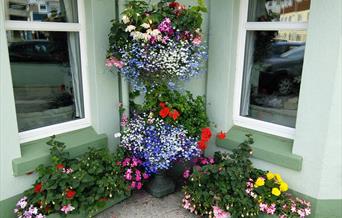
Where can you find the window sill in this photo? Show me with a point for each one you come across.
(37, 152)
(270, 148)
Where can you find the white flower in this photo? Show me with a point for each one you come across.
(130, 28)
(155, 32)
(125, 19)
(145, 25)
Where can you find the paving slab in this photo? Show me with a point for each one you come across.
(143, 205)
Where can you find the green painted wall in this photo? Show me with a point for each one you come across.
(103, 93)
(318, 130)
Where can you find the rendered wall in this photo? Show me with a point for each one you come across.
(103, 94)
(318, 130)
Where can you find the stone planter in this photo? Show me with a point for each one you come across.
(160, 185)
(109, 204)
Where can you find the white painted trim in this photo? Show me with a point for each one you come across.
(80, 28)
(42, 26)
(47, 131)
(266, 127)
(245, 26)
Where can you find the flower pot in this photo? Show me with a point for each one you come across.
(160, 185)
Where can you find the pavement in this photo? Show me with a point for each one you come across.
(143, 205)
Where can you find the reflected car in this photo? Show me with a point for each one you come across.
(281, 74)
(38, 51)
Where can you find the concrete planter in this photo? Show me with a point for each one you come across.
(85, 215)
(160, 185)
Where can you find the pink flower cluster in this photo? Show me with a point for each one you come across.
(199, 162)
(124, 120)
(187, 203)
(112, 61)
(269, 209)
(297, 207)
(166, 27)
(132, 173)
(23, 209)
(67, 208)
(67, 170)
(219, 213)
(250, 188)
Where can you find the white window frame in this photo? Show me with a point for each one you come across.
(244, 26)
(79, 28)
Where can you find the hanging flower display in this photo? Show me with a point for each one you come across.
(157, 143)
(154, 44)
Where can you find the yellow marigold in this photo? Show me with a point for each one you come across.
(259, 182)
(278, 177)
(276, 191)
(283, 187)
(270, 175)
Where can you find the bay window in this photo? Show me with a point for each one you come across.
(269, 64)
(46, 44)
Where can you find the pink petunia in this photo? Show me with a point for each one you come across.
(197, 40)
(139, 185)
(67, 208)
(186, 174)
(219, 213)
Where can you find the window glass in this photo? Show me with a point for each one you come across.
(279, 10)
(272, 75)
(42, 10)
(46, 77)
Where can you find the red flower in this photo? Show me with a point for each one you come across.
(206, 134)
(202, 145)
(177, 6)
(38, 188)
(162, 104)
(221, 135)
(164, 112)
(174, 114)
(59, 166)
(70, 194)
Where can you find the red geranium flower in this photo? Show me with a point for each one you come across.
(202, 145)
(38, 188)
(70, 194)
(206, 134)
(59, 166)
(221, 135)
(162, 104)
(174, 114)
(177, 6)
(164, 112)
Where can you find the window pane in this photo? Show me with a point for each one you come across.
(42, 10)
(272, 75)
(46, 77)
(279, 10)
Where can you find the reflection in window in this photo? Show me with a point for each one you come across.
(42, 10)
(279, 10)
(272, 76)
(46, 77)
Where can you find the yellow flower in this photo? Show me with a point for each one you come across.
(278, 177)
(276, 191)
(283, 187)
(259, 182)
(270, 175)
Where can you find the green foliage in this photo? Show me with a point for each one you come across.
(223, 184)
(94, 178)
(192, 110)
